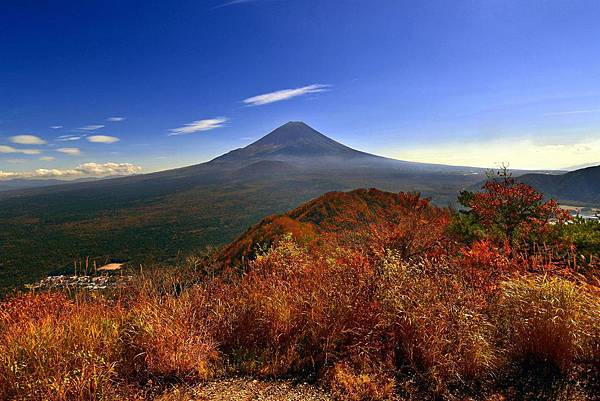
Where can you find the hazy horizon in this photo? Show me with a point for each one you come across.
(104, 88)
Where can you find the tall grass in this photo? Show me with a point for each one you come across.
(168, 339)
(550, 319)
(440, 323)
(52, 348)
(364, 320)
(298, 313)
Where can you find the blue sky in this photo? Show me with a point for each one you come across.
(146, 86)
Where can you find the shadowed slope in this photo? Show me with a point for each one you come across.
(575, 186)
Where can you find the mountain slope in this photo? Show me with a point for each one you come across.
(331, 213)
(161, 215)
(16, 184)
(581, 186)
(19, 183)
(299, 143)
(293, 140)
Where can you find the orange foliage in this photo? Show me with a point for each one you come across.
(265, 234)
(515, 213)
(370, 218)
(169, 339)
(53, 348)
(357, 290)
(412, 227)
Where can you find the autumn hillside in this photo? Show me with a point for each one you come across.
(332, 213)
(368, 295)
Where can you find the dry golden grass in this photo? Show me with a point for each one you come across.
(56, 349)
(439, 322)
(365, 319)
(167, 339)
(296, 313)
(347, 384)
(551, 319)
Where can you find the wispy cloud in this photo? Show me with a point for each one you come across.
(66, 138)
(56, 127)
(47, 158)
(199, 126)
(69, 151)
(83, 170)
(90, 127)
(102, 139)
(574, 112)
(115, 119)
(234, 2)
(27, 140)
(284, 94)
(10, 149)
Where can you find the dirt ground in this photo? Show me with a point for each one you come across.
(242, 389)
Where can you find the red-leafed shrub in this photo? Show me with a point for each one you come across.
(515, 214)
(414, 228)
(512, 217)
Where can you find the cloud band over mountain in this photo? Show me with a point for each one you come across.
(83, 170)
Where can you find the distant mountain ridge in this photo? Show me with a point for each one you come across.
(579, 186)
(581, 166)
(21, 183)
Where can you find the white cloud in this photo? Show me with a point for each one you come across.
(7, 149)
(102, 139)
(27, 140)
(7, 175)
(83, 170)
(115, 119)
(56, 127)
(65, 138)
(10, 149)
(90, 127)
(104, 169)
(284, 94)
(69, 151)
(198, 126)
(47, 158)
